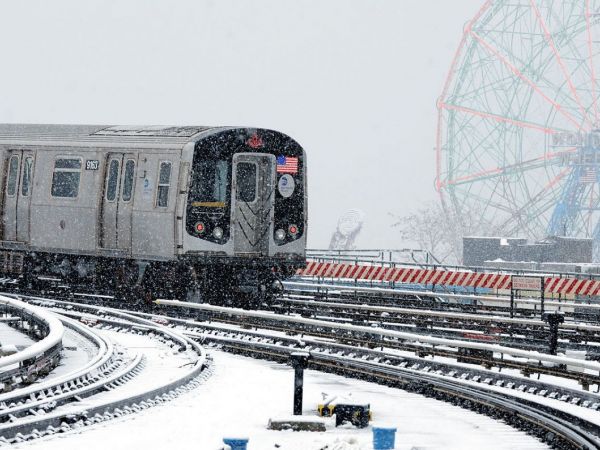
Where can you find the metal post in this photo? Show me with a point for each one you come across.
(553, 319)
(542, 298)
(299, 361)
(298, 390)
(512, 303)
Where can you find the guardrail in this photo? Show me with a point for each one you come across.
(531, 302)
(40, 357)
(385, 258)
(417, 256)
(484, 279)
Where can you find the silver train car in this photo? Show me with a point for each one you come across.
(218, 213)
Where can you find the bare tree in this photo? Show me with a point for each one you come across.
(439, 231)
(427, 228)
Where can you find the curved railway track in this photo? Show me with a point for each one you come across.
(352, 350)
(551, 424)
(57, 404)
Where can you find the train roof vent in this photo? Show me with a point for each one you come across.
(159, 131)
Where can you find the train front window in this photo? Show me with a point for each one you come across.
(164, 182)
(209, 184)
(246, 182)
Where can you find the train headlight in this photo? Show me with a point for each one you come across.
(280, 235)
(218, 233)
(200, 228)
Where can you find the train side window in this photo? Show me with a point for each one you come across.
(27, 175)
(128, 180)
(66, 176)
(164, 182)
(13, 175)
(245, 175)
(112, 180)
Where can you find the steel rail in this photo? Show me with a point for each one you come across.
(62, 419)
(572, 430)
(221, 335)
(104, 362)
(516, 332)
(542, 417)
(530, 355)
(473, 297)
(39, 357)
(441, 314)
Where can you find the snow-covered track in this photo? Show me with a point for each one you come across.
(245, 340)
(378, 334)
(40, 357)
(382, 295)
(460, 383)
(561, 429)
(530, 333)
(62, 407)
(258, 343)
(552, 425)
(442, 314)
(93, 377)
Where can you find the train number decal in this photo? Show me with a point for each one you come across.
(92, 164)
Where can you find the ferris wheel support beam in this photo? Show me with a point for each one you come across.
(561, 64)
(498, 118)
(524, 78)
(487, 174)
(569, 205)
(591, 59)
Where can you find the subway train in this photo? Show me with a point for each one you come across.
(211, 214)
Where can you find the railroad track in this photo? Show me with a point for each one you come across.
(557, 426)
(359, 336)
(461, 383)
(381, 294)
(58, 404)
(531, 334)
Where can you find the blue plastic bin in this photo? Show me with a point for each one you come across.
(236, 443)
(384, 438)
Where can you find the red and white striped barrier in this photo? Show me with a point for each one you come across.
(577, 286)
(490, 280)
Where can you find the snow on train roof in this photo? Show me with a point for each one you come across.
(159, 135)
(156, 130)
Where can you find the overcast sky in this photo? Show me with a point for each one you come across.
(354, 81)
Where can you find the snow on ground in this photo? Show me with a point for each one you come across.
(77, 351)
(11, 336)
(244, 393)
(162, 364)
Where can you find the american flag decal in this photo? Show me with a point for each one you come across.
(287, 164)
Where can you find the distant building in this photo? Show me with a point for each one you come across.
(556, 252)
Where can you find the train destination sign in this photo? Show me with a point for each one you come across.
(527, 283)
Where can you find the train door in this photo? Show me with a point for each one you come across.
(17, 196)
(253, 198)
(117, 202)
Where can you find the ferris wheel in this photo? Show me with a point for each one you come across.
(518, 137)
